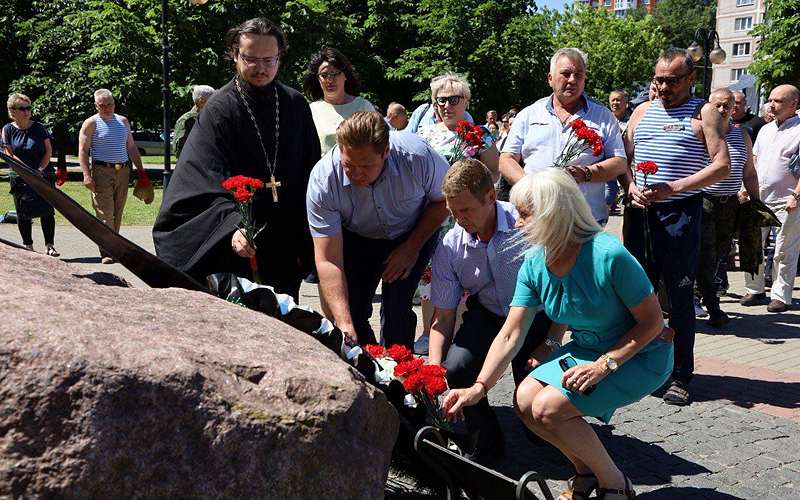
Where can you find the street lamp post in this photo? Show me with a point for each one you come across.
(165, 91)
(165, 86)
(708, 37)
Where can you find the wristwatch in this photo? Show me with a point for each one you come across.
(796, 195)
(587, 173)
(611, 363)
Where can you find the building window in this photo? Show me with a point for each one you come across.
(607, 3)
(737, 73)
(645, 2)
(743, 3)
(743, 23)
(619, 12)
(741, 49)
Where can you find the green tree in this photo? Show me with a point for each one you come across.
(490, 42)
(777, 58)
(621, 50)
(679, 19)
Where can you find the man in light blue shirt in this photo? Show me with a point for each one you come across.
(481, 255)
(541, 131)
(374, 208)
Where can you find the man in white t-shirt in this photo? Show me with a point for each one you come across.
(777, 158)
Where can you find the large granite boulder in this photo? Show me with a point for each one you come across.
(118, 392)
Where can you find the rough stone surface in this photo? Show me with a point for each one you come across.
(116, 392)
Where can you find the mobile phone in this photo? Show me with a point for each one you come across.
(568, 362)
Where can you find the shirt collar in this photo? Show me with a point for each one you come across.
(788, 121)
(584, 108)
(501, 226)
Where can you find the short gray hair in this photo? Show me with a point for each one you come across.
(100, 93)
(202, 91)
(454, 80)
(571, 53)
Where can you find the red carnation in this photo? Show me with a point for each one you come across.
(597, 147)
(61, 176)
(376, 351)
(434, 385)
(399, 352)
(647, 167)
(577, 124)
(406, 368)
(433, 371)
(144, 180)
(413, 383)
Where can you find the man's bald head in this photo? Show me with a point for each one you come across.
(783, 102)
(722, 100)
(396, 115)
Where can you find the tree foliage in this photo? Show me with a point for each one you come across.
(621, 50)
(777, 58)
(680, 19)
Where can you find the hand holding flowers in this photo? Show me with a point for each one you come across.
(581, 139)
(243, 241)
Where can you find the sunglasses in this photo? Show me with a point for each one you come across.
(269, 62)
(23, 108)
(329, 75)
(452, 99)
(669, 81)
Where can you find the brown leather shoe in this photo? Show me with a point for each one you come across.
(754, 299)
(776, 306)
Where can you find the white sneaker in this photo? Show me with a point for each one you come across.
(421, 346)
(699, 312)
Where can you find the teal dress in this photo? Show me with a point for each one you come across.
(593, 300)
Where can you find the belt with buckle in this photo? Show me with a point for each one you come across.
(723, 198)
(115, 166)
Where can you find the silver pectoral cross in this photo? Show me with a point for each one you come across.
(274, 185)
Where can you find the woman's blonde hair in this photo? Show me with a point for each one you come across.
(12, 101)
(450, 80)
(558, 212)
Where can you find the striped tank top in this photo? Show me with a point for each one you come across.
(110, 140)
(738, 152)
(665, 136)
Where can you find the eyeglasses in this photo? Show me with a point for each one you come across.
(452, 99)
(269, 62)
(669, 81)
(329, 75)
(22, 108)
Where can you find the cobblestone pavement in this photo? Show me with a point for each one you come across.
(740, 438)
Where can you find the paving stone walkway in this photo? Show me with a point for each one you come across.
(740, 438)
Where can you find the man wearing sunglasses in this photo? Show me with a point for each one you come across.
(541, 130)
(685, 137)
(257, 127)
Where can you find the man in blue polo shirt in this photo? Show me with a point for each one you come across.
(374, 208)
(541, 130)
(481, 255)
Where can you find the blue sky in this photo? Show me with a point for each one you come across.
(553, 4)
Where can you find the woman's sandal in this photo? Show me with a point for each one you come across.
(579, 487)
(627, 492)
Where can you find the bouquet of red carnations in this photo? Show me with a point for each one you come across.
(469, 141)
(423, 383)
(581, 139)
(243, 188)
(647, 168)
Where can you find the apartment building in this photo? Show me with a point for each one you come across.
(620, 7)
(735, 20)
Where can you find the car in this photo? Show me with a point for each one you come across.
(148, 142)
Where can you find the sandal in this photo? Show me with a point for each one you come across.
(586, 484)
(626, 492)
(676, 394)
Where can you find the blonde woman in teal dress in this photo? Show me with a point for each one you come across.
(618, 352)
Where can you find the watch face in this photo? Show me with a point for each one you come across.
(612, 365)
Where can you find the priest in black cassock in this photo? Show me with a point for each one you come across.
(257, 127)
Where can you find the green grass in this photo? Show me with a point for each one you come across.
(158, 160)
(136, 213)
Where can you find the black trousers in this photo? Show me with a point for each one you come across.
(363, 266)
(468, 351)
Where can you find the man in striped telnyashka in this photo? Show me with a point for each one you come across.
(684, 137)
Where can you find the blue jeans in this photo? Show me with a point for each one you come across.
(363, 267)
(675, 228)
